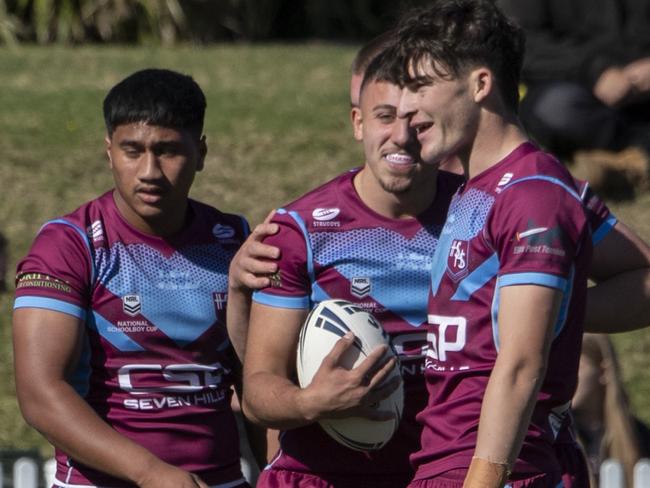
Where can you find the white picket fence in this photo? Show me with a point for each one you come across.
(25, 474)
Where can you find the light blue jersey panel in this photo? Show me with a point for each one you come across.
(172, 289)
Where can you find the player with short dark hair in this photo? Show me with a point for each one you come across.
(392, 202)
(509, 275)
(257, 260)
(362, 60)
(168, 101)
(122, 356)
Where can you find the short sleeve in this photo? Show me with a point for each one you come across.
(290, 285)
(537, 228)
(56, 274)
(601, 219)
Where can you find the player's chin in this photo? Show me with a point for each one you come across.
(433, 156)
(154, 212)
(398, 185)
(433, 162)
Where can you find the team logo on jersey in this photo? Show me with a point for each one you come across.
(96, 231)
(360, 287)
(131, 305)
(323, 214)
(220, 300)
(221, 231)
(457, 259)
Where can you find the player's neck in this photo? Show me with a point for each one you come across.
(496, 138)
(163, 225)
(397, 204)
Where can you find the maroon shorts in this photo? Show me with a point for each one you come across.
(456, 477)
(280, 478)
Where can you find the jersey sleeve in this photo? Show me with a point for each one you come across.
(290, 285)
(56, 274)
(601, 219)
(536, 228)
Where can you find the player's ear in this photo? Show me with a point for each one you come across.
(481, 83)
(357, 122)
(107, 147)
(203, 150)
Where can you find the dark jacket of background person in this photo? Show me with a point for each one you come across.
(578, 39)
(569, 45)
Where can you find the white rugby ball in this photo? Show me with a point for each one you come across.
(325, 325)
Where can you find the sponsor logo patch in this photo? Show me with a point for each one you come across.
(538, 239)
(360, 287)
(325, 214)
(530, 232)
(96, 231)
(131, 305)
(276, 279)
(221, 231)
(39, 280)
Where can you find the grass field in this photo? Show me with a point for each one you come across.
(277, 124)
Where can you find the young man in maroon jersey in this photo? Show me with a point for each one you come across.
(253, 263)
(122, 356)
(509, 276)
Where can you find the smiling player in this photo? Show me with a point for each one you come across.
(392, 202)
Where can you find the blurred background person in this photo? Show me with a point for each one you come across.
(587, 82)
(605, 425)
(3, 262)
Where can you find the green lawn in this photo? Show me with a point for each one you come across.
(277, 125)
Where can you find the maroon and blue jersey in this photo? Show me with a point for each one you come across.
(520, 222)
(601, 219)
(156, 362)
(334, 246)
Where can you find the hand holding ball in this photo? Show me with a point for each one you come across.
(325, 326)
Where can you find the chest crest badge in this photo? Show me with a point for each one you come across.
(458, 259)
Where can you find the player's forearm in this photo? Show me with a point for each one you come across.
(69, 423)
(506, 410)
(620, 303)
(237, 318)
(277, 403)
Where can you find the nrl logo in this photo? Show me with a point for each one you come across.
(131, 305)
(360, 287)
